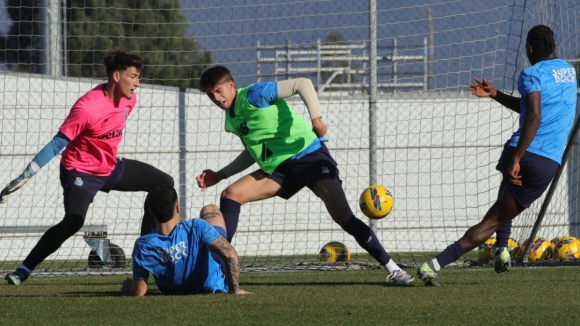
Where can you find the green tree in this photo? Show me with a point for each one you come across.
(154, 29)
(20, 46)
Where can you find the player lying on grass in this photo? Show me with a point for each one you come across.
(532, 156)
(91, 134)
(290, 152)
(187, 257)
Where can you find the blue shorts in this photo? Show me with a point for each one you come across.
(537, 172)
(90, 183)
(220, 230)
(293, 175)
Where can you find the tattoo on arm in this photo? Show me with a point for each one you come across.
(209, 214)
(223, 248)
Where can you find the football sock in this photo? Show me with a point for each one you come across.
(434, 265)
(391, 266)
(449, 255)
(367, 239)
(26, 270)
(503, 235)
(231, 211)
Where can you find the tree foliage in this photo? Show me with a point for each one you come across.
(155, 29)
(20, 46)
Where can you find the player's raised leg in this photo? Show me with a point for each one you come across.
(332, 194)
(131, 178)
(252, 187)
(212, 215)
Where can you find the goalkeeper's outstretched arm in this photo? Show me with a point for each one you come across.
(41, 159)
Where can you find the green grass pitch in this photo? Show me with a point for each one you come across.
(470, 296)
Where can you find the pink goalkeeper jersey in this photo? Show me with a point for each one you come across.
(95, 127)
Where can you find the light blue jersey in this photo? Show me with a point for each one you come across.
(263, 95)
(556, 80)
(181, 263)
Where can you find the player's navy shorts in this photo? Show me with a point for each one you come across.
(90, 183)
(293, 175)
(536, 171)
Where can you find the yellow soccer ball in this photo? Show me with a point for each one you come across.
(376, 202)
(540, 249)
(555, 241)
(484, 251)
(567, 249)
(334, 251)
(515, 249)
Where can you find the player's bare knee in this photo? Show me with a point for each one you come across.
(232, 193)
(212, 215)
(209, 208)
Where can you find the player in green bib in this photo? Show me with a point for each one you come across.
(271, 134)
(289, 151)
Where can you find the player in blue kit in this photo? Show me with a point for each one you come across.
(187, 257)
(533, 154)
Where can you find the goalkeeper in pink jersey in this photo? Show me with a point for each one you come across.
(91, 134)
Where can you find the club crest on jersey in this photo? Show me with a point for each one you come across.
(78, 181)
(104, 122)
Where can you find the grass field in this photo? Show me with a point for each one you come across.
(470, 296)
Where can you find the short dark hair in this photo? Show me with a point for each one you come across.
(118, 59)
(541, 39)
(161, 203)
(214, 76)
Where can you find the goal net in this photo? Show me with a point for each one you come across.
(434, 145)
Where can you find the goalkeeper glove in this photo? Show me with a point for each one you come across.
(15, 184)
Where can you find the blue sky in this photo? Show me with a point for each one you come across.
(471, 38)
